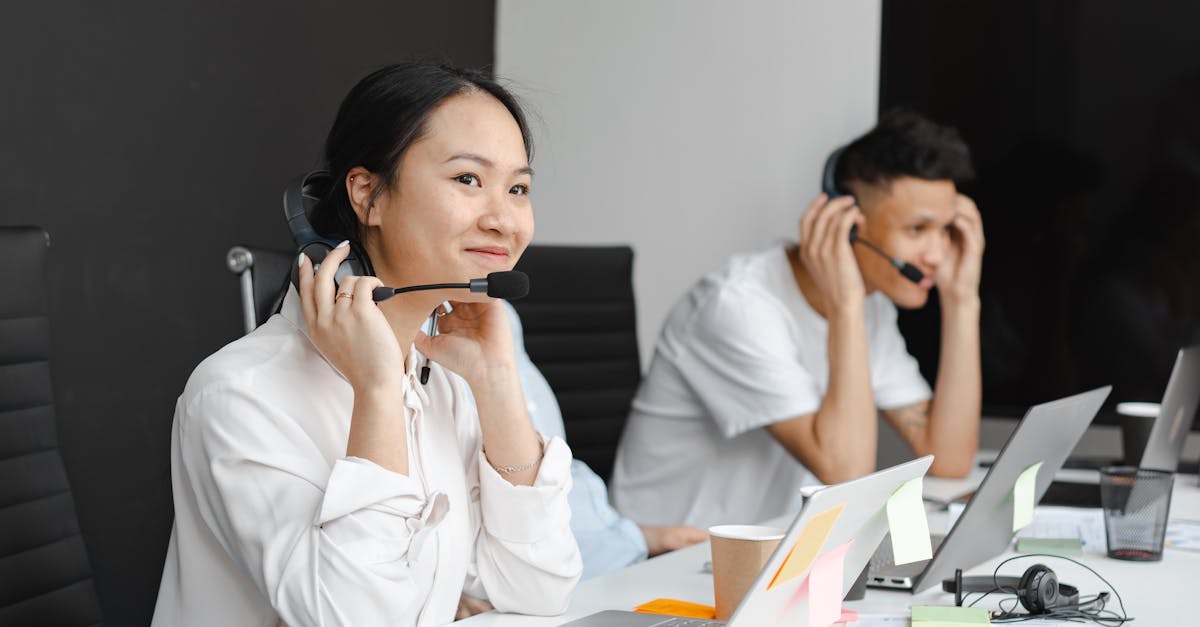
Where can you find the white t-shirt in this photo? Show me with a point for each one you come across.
(741, 350)
(274, 524)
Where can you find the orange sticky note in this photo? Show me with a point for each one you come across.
(807, 546)
(674, 607)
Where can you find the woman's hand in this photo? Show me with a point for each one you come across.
(347, 326)
(473, 340)
(957, 276)
(825, 250)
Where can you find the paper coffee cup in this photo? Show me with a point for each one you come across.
(739, 553)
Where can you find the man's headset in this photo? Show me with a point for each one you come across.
(830, 188)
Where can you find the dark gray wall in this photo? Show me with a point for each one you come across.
(148, 137)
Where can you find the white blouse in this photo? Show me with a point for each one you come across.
(275, 524)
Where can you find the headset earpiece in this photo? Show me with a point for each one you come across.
(301, 194)
(1038, 589)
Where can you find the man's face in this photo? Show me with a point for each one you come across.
(910, 219)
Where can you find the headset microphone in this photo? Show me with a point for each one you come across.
(830, 188)
(509, 285)
(910, 272)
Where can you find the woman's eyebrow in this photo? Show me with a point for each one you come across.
(485, 162)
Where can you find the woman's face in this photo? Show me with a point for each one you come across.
(459, 207)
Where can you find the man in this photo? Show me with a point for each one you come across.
(769, 372)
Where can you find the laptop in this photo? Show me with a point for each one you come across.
(1165, 444)
(863, 519)
(1046, 434)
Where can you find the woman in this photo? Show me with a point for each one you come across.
(316, 480)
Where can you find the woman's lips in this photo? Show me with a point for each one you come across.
(492, 255)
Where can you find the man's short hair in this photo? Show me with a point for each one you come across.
(905, 143)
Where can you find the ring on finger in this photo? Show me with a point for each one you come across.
(344, 295)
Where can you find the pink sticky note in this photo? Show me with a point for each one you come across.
(825, 587)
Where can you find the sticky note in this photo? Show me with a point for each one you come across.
(825, 587)
(1055, 546)
(948, 616)
(908, 525)
(674, 607)
(811, 539)
(1023, 490)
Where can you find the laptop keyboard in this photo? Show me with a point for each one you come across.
(689, 622)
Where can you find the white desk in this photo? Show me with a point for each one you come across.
(1155, 593)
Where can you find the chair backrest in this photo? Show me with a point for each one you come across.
(264, 275)
(45, 577)
(581, 332)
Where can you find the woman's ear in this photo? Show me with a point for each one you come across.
(362, 189)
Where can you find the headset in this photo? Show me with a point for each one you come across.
(1040, 593)
(301, 194)
(1037, 589)
(830, 188)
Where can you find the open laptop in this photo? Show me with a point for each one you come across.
(1165, 444)
(863, 519)
(1046, 434)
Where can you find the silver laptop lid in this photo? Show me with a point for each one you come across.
(1046, 434)
(1175, 415)
(863, 518)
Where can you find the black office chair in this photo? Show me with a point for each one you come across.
(45, 577)
(581, 332)
(264, 274)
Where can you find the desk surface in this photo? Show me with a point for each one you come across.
(1155, 593)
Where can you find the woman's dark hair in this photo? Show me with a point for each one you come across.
(382, 116)
(904, 143)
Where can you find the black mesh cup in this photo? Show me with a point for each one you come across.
(1136, 503)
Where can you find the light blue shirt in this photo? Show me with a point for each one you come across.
(606, 540)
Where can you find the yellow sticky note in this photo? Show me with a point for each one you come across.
(675, 607)
(1023, 491)
(907, 523)
(811, 539)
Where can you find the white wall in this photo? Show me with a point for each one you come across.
(688, 129)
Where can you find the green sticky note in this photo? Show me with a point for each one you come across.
(1054, 546)
(1023, 491)
(948, 616)
(907, 523)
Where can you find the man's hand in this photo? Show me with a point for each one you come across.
(826, 252)
(957, 277)
(661, 539)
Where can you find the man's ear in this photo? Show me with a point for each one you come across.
(362, 187)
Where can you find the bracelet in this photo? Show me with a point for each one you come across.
(508, 470)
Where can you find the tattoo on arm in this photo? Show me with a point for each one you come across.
(914, 418)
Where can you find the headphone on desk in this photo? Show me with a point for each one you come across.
(1040, 593)
(1037, 589)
